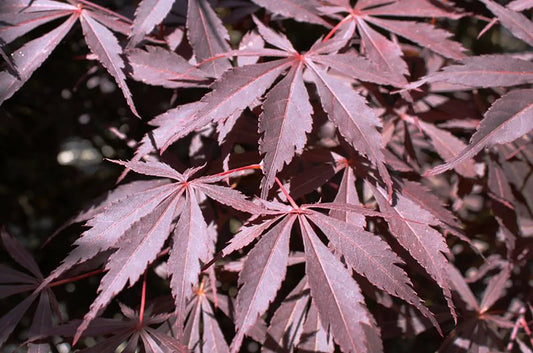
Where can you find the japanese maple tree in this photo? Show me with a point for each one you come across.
(309, 186)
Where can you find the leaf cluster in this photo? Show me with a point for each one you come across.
(313, 199)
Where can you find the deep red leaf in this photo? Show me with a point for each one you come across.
(424, 35)
(495, 288)
(213, 339)
(518, 24)
(285, 327)
(371, 257)
(285, 121)
(148, 14)
(19, 253)
(261, 277)
(138, 247)
(190, 247)
(386, 54)
(510, 117)
(30, 56)
(208, 37)
(347, 194)
(105, 46)
(110, 225)
(411, 225)
(300, 10)
(484, 71)
(160, 67)
(448, 146)
(337, 297)
(238, 88)
(314, 337)
(356, 122)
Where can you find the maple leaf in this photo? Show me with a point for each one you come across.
(137, 225)
(286, 325)
(508, 118)
(481, 320)
(135, 328)
(31, 55)
(518, 24)
(160, 67)
(362, 251)
(385, 53)
(201, 315)
(411, 226)
(325, 122)
(300, 10)
(13, 282)
(208, 37)
(105, 46)
(148, 14)
(284, 125)
(30, 14)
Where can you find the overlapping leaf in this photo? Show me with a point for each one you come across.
(148, 14)
(13, 282)
(207, 36)
(411, 225)
(23, 16)
(284, 125)
(138, 225)
(363, 252)
(384, 52)
(509, 118)
(160, 67)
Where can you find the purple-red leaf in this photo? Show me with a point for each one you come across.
(30, 56)
(314, 337)
(520, 5)
(356, 67)
(386, 54)
(338, 298)
(107, 227)
(19, 253)
(347, 194)
(272, 37)
(286, 325)
(285, 120)
(9, 321)
(105, 46)
(213, 339)
(160, 67)
(138, 247)
(356, 121)
(448, 146)
(148, 14)
(424, 35)
(411, 225)
(484, 71)
(300, 10)
(518, 24)
(153, 168)
(208, 37)
(238, 88)
(23, 22)
(370, 256)
(510, 117)
(410, 8)
(42, 320)
(229, 197)
(495, 288)
(246, 235)
(261, 277)
(191, 244)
